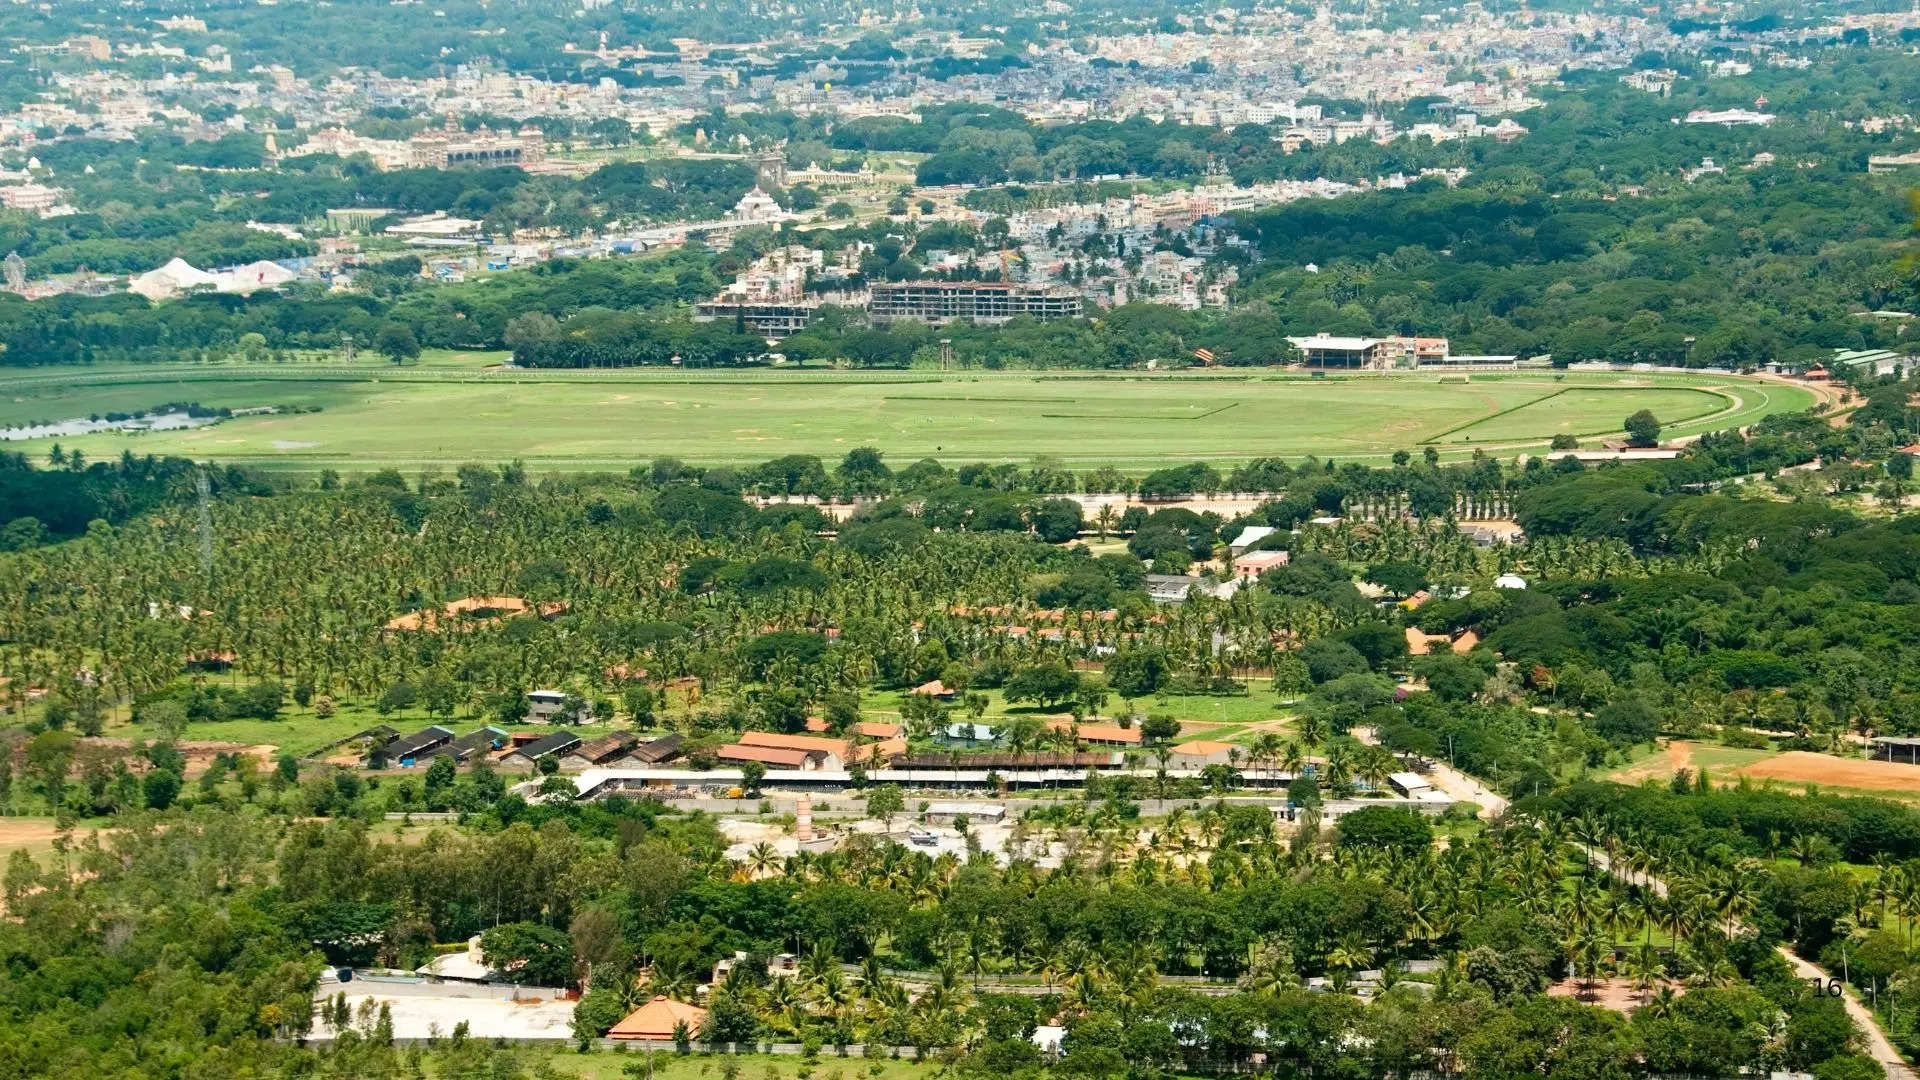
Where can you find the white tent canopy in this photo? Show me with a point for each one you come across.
(177, 276)
(253, 276)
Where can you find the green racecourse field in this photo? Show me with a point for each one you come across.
(454, 409)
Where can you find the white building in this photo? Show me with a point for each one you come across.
(1729, 117)
(756, 205)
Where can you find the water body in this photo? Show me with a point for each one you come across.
(81, 425)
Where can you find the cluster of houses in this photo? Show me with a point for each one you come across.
(873, 745)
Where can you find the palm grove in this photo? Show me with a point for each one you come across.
(1653, 607)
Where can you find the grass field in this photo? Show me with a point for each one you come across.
(1220, 719)
(1586, 411)
(454, 408)
(667, 1065)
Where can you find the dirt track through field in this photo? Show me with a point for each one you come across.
(1678, 755)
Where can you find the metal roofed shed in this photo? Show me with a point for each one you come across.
(1248, 537)
(1895, 747)
(1410, 784)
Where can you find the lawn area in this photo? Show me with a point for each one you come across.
(303, 733)
(55, 401)
(1206, 716)
(1660, 763)
(1586, 411)
(668, 1065)
(448, 409)
(300, 731)
(1719, 760)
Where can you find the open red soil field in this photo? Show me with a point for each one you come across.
(1799, 766)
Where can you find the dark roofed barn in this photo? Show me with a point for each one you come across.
(662, 749)
(559, 742)
(484, 741)
(409, 749)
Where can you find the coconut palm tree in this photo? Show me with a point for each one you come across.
(762, 860)
(1349, 954)
(1312, 731)
(1292, 757)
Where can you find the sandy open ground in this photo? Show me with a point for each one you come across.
(1616, 994)
(33, 834)
(1799, 766)
(427, 1011)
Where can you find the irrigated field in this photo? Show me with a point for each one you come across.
(453, 411)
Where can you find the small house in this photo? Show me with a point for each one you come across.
(1099, 734)
(660, 1020)
(1253, 564)
(1420, 643)
(878, 753)
(1168, 588)
(780, 965)
(1410, 784)
(962, 733)
(544, 705)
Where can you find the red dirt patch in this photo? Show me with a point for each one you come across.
(1679, 756)
(1803, 767)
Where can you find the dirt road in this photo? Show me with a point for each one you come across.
(1879, 1047)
